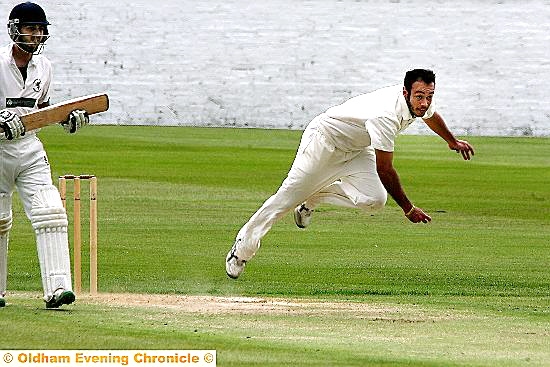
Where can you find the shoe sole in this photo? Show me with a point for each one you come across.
(297, 219)
(231, 276)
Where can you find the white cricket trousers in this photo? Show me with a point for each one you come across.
(23, 165)
(320, 173)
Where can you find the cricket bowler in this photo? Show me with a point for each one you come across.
(345, 158)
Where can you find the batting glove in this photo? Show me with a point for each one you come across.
(11, 124)
(76, 120)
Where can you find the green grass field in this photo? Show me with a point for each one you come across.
(472, 288)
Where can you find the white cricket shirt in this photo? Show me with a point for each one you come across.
(371, 119)
(23, 96)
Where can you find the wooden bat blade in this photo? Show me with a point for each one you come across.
(59, 112)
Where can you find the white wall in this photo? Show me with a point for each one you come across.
(278, 63)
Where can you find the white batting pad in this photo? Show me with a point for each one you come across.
(5, 226)
(49, 221)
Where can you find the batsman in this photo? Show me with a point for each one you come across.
(25, 80)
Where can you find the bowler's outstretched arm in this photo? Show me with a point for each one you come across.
(438, 126)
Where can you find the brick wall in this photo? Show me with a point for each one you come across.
(278, 63)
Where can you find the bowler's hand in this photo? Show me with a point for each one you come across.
(417, 215)
(464, 148)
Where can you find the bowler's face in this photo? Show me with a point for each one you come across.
(420, 98)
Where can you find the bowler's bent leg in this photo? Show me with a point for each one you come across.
(359, 187)
(316, 165)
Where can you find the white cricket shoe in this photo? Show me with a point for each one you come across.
(302, 216)
(233, 265)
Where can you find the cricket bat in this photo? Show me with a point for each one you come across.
(59, 112)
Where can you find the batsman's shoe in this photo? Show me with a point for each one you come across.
(2, 302)
(61, 298)
(233, 265)
(302, 216)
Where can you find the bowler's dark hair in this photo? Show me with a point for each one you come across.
(425, 75)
